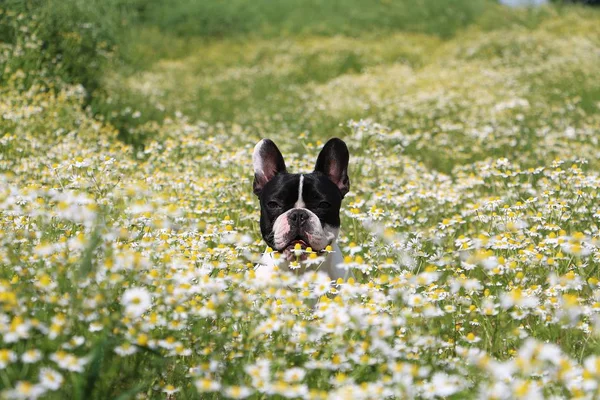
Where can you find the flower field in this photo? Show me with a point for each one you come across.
(472, 224)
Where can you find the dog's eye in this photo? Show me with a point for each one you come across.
(324, 204)
(273, 205)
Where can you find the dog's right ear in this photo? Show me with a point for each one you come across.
(333, 162)
(268, 162)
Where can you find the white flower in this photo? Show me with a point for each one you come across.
(95, 327)
(170, 389)
(18, 330)
(237, 392)
(322, 284)
(126, 349)
(592, 364)
(136, 301)
(6, 357)
(207, 385)
(294, 265)
(444, 385)
(31, 356)
(353, 248)
(68, 361)
(259, 372)
(517, 298)
(50, 379)
(294, 374)
(75, 342)
(25, 390)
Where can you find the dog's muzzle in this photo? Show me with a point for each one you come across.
(300, 225)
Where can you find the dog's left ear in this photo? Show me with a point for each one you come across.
(268, 162)
(333, 162)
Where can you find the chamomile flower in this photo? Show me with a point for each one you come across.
(126, 349)
(50, 379)
(205, 385)
(170, 390)
(25, 390)
(472, 338)
(31, 356)
(68, 361)
(294, 375)
(7, 357)
(237, 392)
(136, 301)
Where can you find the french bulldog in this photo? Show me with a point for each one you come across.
(301, 211)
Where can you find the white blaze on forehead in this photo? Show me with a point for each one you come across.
(300, 203)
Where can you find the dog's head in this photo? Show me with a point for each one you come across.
(300, 208)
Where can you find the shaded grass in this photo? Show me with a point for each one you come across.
(321, 17)
(72, 40)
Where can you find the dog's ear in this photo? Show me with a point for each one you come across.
(333, 162)
(268, 162)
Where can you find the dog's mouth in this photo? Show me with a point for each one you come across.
(293, 245)
(296, 250)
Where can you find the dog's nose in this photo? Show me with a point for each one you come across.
(298, 217)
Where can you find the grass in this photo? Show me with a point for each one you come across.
(271, 18)
(385, 77)
(129, 231)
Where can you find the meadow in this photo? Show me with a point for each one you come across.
(129, 230)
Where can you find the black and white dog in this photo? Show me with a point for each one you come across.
(301, 210)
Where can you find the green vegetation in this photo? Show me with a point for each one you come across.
(316, 17)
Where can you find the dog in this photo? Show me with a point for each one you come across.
(300, 211)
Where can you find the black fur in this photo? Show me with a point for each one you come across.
(333, 162)
(279, 195)
(322, 193)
